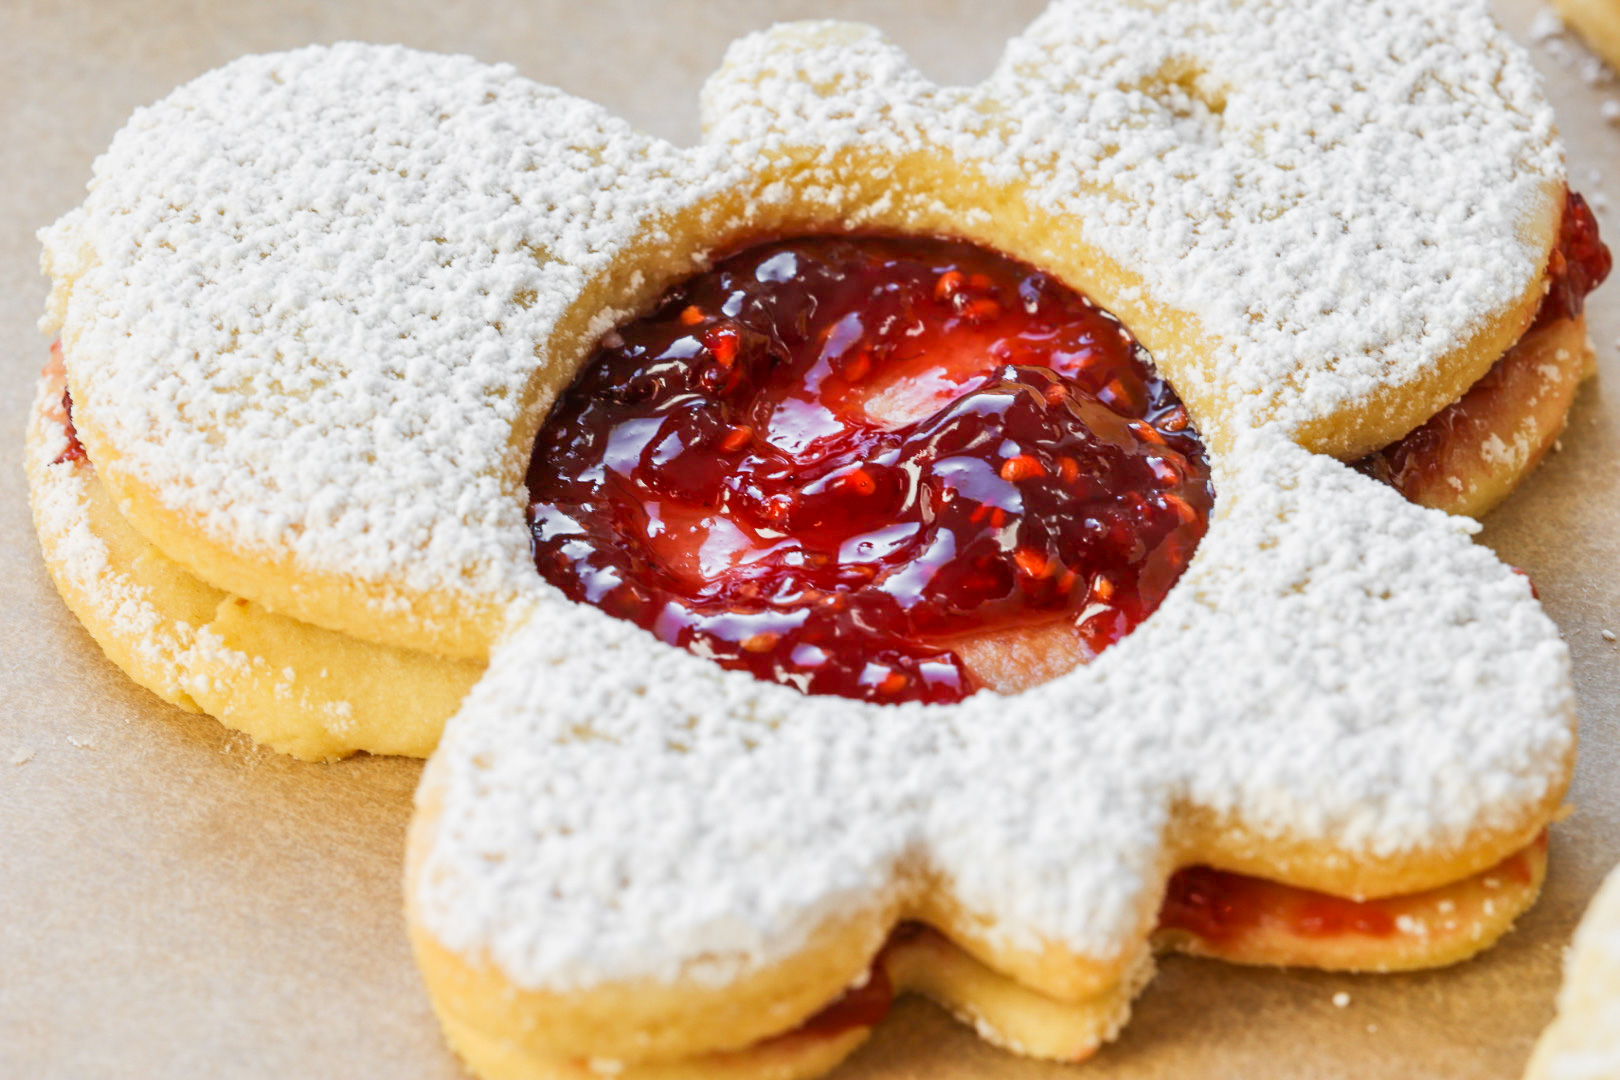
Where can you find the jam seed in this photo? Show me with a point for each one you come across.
(722, 343)
(982, 310)
(949, 284)
(892, 683)
(1069, 469)
(1147, 432)
(861, 482)
(1184, 509)
(1021, 467)
(1102, 588)
(737, 438)
(691, 315)
(1165, 472)
(1032, 562)
(759, 643)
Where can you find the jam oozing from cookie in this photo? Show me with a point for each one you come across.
(1220, 906)
(75, 449)
(1579, 263)
(1231, 913)
(827, 460)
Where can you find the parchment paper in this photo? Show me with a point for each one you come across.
(177, 903)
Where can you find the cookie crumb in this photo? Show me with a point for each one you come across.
(1610, 111)
(81, 742)
(23, 755)
(1341, 1000)
(1607, 635)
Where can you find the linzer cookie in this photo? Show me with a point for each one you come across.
(975, 616)
(913, 522)
(1582, 1043)
(1597, 21)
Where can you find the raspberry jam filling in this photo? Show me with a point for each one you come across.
(75, 449)
(1579, 263)
(1222, 909)
(1219, 906)
(831, 461)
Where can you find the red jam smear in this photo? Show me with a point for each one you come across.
(75, 449)
(864, 1005)
(860, 1007)
(826, 458)
(1219, 906)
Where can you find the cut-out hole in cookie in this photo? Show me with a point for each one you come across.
(896, 469)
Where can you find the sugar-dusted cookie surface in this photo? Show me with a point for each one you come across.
(628, 860)
(309, 310)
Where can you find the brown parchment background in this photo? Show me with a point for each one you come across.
(175, 902)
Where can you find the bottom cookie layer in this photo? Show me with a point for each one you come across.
(1473, 453)
(1207, 913)
(312, 693)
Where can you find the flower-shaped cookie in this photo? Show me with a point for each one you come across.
(1325, 221)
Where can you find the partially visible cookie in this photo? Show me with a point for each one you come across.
(1598, 21)
(1584, 1042)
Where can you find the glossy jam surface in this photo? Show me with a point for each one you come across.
(826, 459)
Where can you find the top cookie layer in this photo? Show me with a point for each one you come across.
(1344, 196)
(1342, 692)
(316, 303)
(305, 302)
